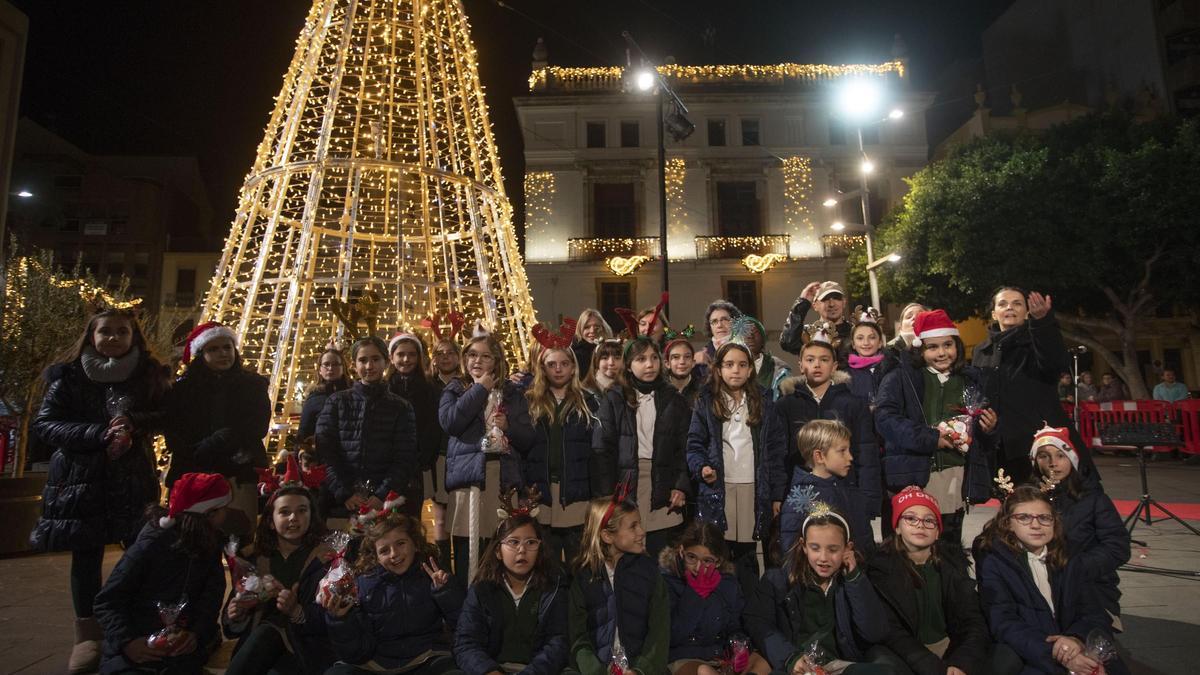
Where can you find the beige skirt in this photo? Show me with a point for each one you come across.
(556, 515)
(489, 501)
(946, 487)
(659, 519)
(435, 482)
(739, 512)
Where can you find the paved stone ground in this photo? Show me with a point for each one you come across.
(1162, 624)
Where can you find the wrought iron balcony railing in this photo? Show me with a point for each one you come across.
(591, 249)
(716, 248)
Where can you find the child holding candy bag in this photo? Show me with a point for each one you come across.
(176, 561)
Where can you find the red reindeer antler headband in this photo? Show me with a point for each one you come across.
(630, 319)
(620, 494)
(560, 340)
(434, 323)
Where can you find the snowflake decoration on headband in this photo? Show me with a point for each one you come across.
(817, 509)
(740, 329)
(801, 498)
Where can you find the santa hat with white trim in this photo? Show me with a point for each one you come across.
(203, 334)
(932, 324)
(1058, 437)
(196, 493)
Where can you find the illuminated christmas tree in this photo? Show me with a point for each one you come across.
(377, 174)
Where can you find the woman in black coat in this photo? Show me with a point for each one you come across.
(102, 407)
(409, 381)
(217, 417)
(1022, 358)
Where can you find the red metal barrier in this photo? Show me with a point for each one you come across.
(1095, 416)
(1187, 415)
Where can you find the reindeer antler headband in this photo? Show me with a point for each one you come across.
(560, 340)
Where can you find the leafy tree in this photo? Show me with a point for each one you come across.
(1099, 212)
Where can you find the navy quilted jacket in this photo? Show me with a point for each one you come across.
(367, 433)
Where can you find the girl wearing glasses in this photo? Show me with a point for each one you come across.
(515, 616)
(706, 605)
(467, 414)
(718, 320)
(933, 609)
(1039, 603)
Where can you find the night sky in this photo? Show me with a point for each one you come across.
(198, 77)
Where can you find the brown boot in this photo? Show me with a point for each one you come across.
(85, 655)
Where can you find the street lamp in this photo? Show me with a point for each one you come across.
(890, 258)
(24, 194)
(860, 102)
(675, 122)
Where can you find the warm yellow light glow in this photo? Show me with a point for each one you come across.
(645, 80)
(610, 77)
(625, 266)
(837, 226)
(830, 202)
(761, 263)
(868, 166)
(377, 169)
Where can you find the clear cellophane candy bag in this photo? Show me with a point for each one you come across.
(816, 657)
(250, 588)
(338, 583)
(168, 636)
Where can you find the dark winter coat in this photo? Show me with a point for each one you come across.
(637, 607)
(479, 635)
(1019, 617)
(969, 641)
(847, 499)
(1096, 540)
(398, 617)
(424, 398)
(701, 627)
(791, 337)
(706, 448)
(797, 407)
(910, 443)
(615, 445)
(308, 640)
(574, 479)
(1021, 368)
(90, 500)
(583, 351)
(367, 433)
(216, 422)
(774, 617)
(461, 413)
(313, 405)
(156, 570)
(864, 382)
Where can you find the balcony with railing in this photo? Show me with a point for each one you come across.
(595, 249)
(721, 248)
(840, 245)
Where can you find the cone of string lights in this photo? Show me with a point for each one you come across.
(377, 178)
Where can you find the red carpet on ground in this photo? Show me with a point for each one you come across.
(1187, 511)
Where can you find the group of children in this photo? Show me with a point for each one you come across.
(641, 521)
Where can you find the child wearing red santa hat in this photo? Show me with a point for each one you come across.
(1095, 533)
(175, 565)
(216, 418)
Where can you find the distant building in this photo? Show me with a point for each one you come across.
(14, 32)
(119, 215)
(745, 188)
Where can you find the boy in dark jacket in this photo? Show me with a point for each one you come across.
(823, 392)
(825, 448)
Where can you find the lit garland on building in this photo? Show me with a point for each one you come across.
(676, 208)
(602, 248)
(761, 263)
(727, 247)
(797, 191)
(377, 169)
(539, 199)
(611, 77)
(625, 266)
(17, 280)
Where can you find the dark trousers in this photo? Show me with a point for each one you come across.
(744, 556)
(462, 557)
(438, 665)
(85, 579)
(562, 545)
(263, 651)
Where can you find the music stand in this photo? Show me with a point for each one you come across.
(1141, 437)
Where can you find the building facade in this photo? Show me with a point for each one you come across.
(745, 191)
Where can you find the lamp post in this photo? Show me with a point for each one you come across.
(680, 127)
(860, 101)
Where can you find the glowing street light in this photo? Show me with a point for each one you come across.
(890, 258)
(644, 80)
(837, 226)
(868, 166)
(895, 114)
(830, 202)
(860, 100)
(24, 194)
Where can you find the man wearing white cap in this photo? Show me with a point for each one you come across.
(829, 300)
